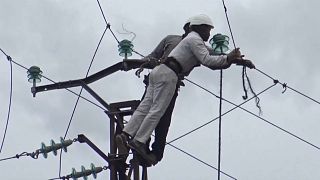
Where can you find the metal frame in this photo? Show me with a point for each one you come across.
(115, 113)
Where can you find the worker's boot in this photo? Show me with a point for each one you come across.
(140, 148)
(122, 144)
(143, 162)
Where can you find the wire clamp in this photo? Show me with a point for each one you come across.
(284, 85)
(9, 58)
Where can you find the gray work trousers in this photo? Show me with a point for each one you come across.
(162, 85)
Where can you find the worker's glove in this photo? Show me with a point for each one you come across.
(234, 55)
(149, 63)
(244, 62)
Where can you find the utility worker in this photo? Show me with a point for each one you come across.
(158, 55)
(189, 53)
(161, 53)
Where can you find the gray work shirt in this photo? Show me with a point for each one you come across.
(192, 52)
(165, 47)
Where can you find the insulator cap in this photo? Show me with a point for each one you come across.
(34, 74)
(125, 48)
(219, 43)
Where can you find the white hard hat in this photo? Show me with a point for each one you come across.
(188, 20)
(201, 19)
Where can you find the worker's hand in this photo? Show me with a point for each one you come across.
(244, 62)
(234, 55)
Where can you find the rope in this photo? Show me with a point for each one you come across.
(245, 96)
(257, 99)
(244, 72)
(10, 100)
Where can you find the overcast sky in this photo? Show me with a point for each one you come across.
(280, 36)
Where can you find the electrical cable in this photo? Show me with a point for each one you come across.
(108, 25)
(77, 101)
(79, 95)
(10, 102)
(188, 154)
(286, 86)
(244, 74)
(194, 157)
(257, 100)
(138, 53)
(24, 67)
(227, 112)
(82, 87)
(220, 126)
(15, 157)
(239, 106)
(34, 155)
(229, 25)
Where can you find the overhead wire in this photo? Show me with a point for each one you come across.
(77, 101)
(244, 88)
(244, 71)
(17, 156)
(220, 126)
(67, 89)
(225, 113)
(203, 162)
(141, 56)
(10, 101)
(236, 106)
(284, 85)
(239, 106)
(108, 25)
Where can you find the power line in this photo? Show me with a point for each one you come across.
(45, 77)
(104, 17)
(15, 157)
(229, 24)
(194, 157)
(144, 56)
(77, 101)
(220, 126)
(227, 112)
(108, 25)
(239, 106)
(188, 154)
(79, 95)
(286, 86)
(244, 71)
(10, 100)
(85, 76)
(34, 155)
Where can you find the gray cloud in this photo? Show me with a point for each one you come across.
(281, 37)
